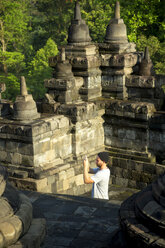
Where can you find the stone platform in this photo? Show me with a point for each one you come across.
(79, 221)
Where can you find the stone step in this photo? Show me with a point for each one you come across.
(130, 152)
(51, 171)
(17, 173)
(115, 152)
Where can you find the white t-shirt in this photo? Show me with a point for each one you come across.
(101, 182)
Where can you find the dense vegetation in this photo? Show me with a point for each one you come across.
(31, 31)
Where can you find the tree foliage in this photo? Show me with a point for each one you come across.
(39, 69)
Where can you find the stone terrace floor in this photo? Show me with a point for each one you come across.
(79, 221)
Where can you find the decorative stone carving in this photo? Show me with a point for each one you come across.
(78, 31)
(24, 106)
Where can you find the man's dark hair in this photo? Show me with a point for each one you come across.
(104, 156)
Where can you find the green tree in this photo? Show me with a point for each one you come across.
(142, 17)
(97, 15)
(14, 20)
(56, 17)
(39, 69)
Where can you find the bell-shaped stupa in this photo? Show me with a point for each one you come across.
(63, 69)
(78, 33)
(24, 106)
(146, 66)
(116, 30)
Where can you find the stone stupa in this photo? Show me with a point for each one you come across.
(24, 106)
(63, 83)
(18, 229)
(116, 40)
(116, 30)
(78, 33)
(142, 216)
(146, 66)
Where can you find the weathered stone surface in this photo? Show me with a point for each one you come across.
(116, 31)
(16, 216)
(24, 106)
(146, 224)
(78, 33)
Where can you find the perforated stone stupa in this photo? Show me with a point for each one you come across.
(17, 226)
(142, 216)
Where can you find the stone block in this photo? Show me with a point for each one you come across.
(25, 148)
(121, 181)
(65, 185)
(137, 176)
(149, 168)
(118, 172)
(130, 134)
(44, 145)
(40, 184)
(52, 179)
(70, 173)
(3, 156)
(79, 180)
(63, 122)
(2, 145)
(62, 175)
(78, 169)
(11, 146)
(28, 160)
(8, 231)
(16, 158)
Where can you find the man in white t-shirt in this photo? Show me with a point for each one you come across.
(101, 176)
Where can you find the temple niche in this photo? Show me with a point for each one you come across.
(100, 97)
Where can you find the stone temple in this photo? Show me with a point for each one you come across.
(101, 97)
